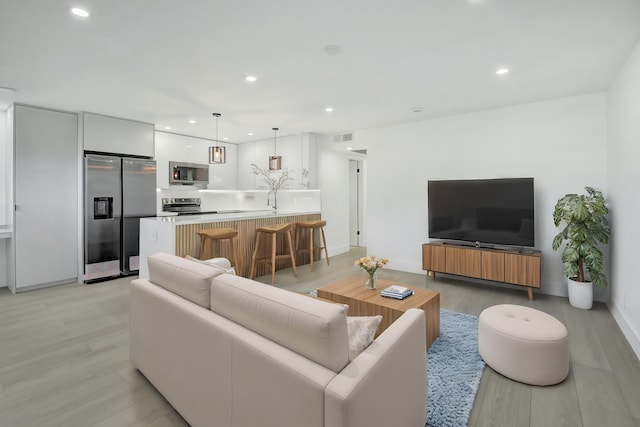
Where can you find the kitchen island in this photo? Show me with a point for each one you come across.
(177, 235)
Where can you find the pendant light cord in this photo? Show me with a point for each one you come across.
(275, 142)
(216, 115)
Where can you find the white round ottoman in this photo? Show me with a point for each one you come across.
(524, 344)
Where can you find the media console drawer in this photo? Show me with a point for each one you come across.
(488, 264)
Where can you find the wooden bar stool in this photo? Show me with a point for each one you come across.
(273, 230)
(212, 235)
(311, 226)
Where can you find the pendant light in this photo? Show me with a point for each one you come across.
(217, 154)
(275, 161)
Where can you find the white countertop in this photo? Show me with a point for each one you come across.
(6, 232)
(197, 219)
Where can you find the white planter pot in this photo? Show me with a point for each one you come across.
(580, 294)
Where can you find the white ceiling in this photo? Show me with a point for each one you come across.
(168, 61)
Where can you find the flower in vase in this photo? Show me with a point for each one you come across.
(370, 263)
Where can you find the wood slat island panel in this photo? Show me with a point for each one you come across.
(188, 243)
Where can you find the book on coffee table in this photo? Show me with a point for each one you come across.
(397, 292)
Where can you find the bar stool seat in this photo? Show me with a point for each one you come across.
(211, 235)
(311, 226)
(273, 230)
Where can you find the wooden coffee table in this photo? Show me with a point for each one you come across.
(365, 302)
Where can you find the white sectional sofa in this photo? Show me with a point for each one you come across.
(229, 351)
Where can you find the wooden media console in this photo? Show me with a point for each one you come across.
(504, 266)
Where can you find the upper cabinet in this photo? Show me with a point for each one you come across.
(181, 148)
(298, 153)
(120, 136)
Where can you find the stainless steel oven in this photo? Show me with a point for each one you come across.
(181, 205)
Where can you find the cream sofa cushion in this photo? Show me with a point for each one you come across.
(310, 327)
(220, 262)
(189, 279)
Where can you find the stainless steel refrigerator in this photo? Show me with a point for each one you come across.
(118, 191)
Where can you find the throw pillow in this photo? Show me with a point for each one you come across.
(212, 262)
(361, 331)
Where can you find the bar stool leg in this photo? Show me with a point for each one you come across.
(235, 258)
(206, 243)
(273, 258)
(312, 252)
(253, 258)
(293, 259)
(299, 230)
(324, 243)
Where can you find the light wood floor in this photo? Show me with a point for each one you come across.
(64, 358)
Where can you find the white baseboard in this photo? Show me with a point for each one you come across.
(337, 250)
(406, 267)
(629, 332)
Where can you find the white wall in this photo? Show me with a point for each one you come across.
(624, 204)
(333, 180)
(560, 143)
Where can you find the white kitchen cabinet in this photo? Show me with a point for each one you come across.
(45, 224)
(115, 135)
(246, 156)
(290, 148)
(182, 148)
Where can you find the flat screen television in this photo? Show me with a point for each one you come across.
(483, 211)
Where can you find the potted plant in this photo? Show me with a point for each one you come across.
(586, 227)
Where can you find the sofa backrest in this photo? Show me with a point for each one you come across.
(189, 279)
(310, 327)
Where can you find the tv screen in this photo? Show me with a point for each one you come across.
(486, 211)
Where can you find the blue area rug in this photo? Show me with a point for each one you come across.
(454, 369)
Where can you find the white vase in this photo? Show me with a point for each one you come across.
(580, 294)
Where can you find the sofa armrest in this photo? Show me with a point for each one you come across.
(387, 383)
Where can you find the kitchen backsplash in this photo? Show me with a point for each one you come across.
(218, 200)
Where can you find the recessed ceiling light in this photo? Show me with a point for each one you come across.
(225, 138)
(192, 121)
(80, 12)
(167, 127)
(328, 109)
(251, 78)
(7, 89)
(502, 71)
(349, 148)
(332, 49)
(250, 134)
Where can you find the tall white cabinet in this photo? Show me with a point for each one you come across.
(44, 250)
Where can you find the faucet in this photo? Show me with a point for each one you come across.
(275, 199)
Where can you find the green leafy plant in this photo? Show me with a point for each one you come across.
(586, 227)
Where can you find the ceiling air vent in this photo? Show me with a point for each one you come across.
(343, 137)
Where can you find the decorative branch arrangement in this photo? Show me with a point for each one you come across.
(274, 181)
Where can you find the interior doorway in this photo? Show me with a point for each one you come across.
(355, 203)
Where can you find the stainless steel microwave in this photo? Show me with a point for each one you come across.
(181, 173)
